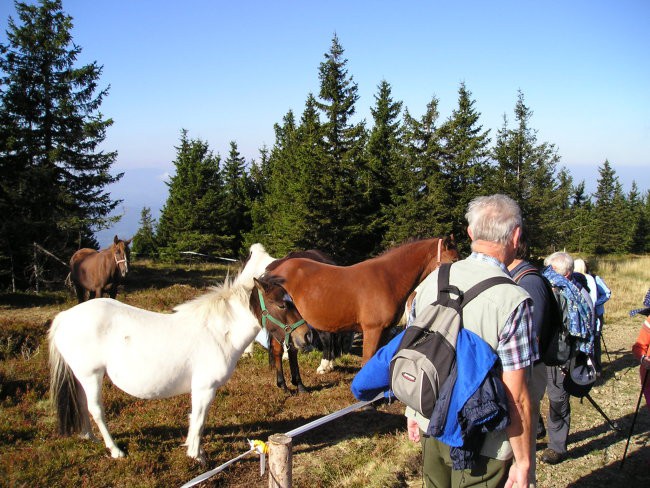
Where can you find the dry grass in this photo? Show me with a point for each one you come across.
(362, 449)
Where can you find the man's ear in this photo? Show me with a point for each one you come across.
(516, 235)
(469, 233)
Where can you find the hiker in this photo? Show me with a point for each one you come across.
(599, 293)
(641, 348)
(578, 312)
(528, 277)
(500, 316)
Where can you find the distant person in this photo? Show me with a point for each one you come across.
(641, 348)
(578, 318)
(528, 277)
(599, 293)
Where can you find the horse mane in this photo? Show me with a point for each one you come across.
(313, 254)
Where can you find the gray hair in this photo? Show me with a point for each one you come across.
(579, 266)
(493, 218)
(561, 262)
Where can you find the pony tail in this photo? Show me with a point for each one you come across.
(63, 393)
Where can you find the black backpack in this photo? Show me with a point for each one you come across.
(426, 355)
(556, 345)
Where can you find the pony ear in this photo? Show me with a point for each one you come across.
(116, 239)
(127, 242)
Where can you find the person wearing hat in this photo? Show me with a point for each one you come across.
(641, 348)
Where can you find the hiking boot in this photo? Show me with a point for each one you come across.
(549, 456)
(541, 433)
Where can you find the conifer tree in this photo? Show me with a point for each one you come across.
(54, 177)
(419, 198)
(465, 163)
(384, 153)
(611, 217)
(144, 240)
(343, 234)
(639, 228)
(526, 171)
(192, 219)
(237, 198)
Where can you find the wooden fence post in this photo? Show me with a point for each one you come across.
(280, 458)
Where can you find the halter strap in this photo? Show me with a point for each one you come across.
(439, 249)
(288, 329)
(120, 260)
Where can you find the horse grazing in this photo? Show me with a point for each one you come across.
(365, 297)
(149, 355)
(97, 271)
(285, 326)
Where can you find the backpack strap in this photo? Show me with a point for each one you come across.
(530, 269)
(445, 289)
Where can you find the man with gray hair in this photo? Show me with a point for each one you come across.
(499, 315)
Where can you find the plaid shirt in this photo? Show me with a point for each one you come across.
(516, 341)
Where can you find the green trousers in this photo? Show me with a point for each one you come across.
(437, 471)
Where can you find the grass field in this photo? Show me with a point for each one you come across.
(362, 449)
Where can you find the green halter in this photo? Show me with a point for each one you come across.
(288, 329)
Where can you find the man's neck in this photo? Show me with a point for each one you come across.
(516, 262)
(492, 249)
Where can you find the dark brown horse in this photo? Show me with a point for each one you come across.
(286, 328)
(99, 271)
(366, 297)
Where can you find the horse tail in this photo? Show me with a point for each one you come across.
(63, 390)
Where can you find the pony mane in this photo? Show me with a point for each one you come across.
(220, 300)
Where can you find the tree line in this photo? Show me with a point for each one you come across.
(330, 182)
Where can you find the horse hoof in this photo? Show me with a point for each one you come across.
(117, 453)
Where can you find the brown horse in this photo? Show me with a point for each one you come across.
(368, 296)
(99, 271)
(278, 315)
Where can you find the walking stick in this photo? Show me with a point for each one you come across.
(613, 425)
(638, 404)
(602, 337)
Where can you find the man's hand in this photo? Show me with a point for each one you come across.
(517, 478)
(413, 430)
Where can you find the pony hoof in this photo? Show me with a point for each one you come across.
(117, 453)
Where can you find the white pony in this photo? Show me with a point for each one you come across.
(151, 355)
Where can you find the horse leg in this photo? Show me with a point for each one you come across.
(81, 293)
(201, 401)
(113, 291)
(327, 361)
(296, 380)
(371, 338)
(275, 360)
(92, 387)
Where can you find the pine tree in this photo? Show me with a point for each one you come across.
(54, 175)
(384, 153)
(610, 225)
(192, 219)
(237, 198)
(639, 227)
(419, 198)
(144, 241)
(343, 234)
(526, 171)
(465, 164)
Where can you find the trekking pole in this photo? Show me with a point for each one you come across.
(613, 425)
(638, 404)
(602, 338)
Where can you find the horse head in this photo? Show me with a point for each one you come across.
(121, 254)
(273, 306)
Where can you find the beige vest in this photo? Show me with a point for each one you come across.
(486, 316)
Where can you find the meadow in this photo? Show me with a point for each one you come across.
(362, 449)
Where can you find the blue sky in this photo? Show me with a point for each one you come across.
(228, 70)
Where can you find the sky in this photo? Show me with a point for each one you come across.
(228, 71)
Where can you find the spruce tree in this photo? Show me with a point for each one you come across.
(526, 171)
(54, 177)
(237, 198)
(384, 154)
(419, 199)
(192, 219)
(144, 241)
(465, 163)
(610, 225)
(343, 234)
(639, 227)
